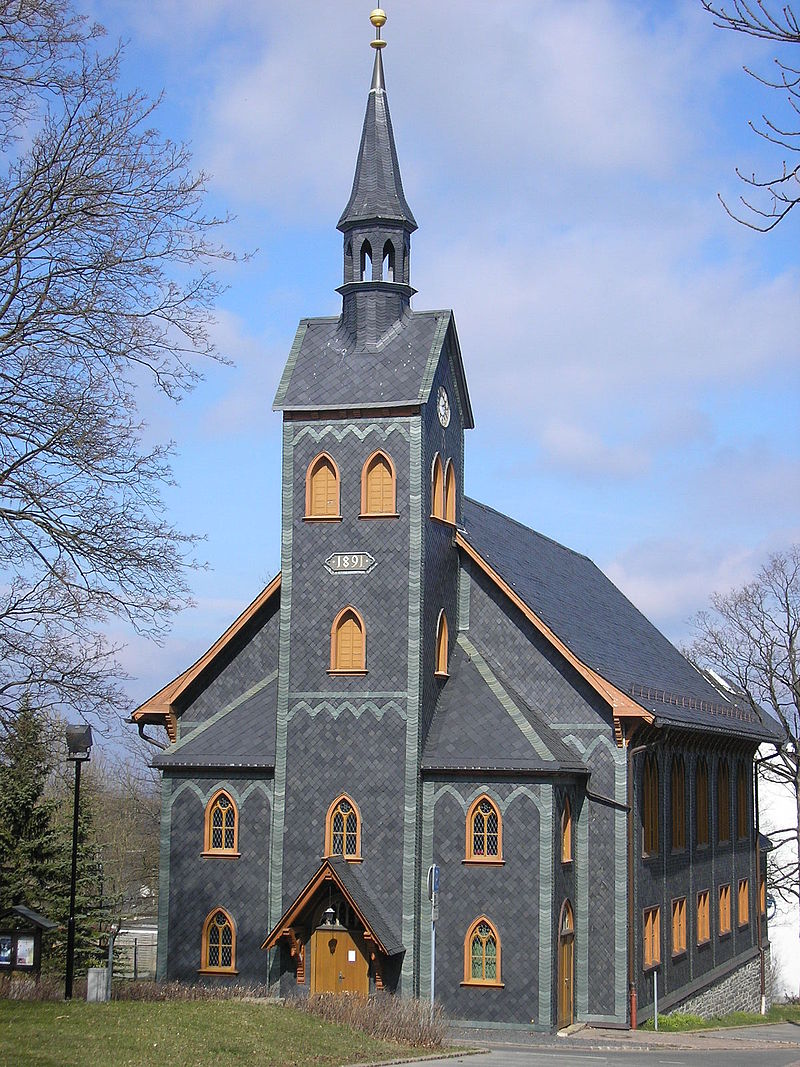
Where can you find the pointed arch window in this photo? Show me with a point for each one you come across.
(484, 832)
(222, 827)
(650, 807)
(322, 488)
(450, 492)
(442, 651)
(566, 832)
(437, 488)
(378, 486)
(723, 802)
(348, 643)
(219, 944)
(482, 954)
(678, 797)
(387, 265)
(703, 816)
(365, 264)
(343, 829)
(741, 802)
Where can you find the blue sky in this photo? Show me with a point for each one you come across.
(632, 354)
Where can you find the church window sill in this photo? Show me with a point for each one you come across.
(354, 673)
(221, 854)
(322, 518)
(220, 971)
(379, 515)
(485, 985)
(479, 861)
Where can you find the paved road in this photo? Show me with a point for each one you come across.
(539, 1057)
(768, 1046)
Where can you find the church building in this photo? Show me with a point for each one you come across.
(428, 682)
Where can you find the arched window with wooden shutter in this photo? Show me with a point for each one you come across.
(442, 650)
(703, 811)
(437, 488)
(723, 802)
(566, 832)
(678, 799)
(322, 488)
(450, 492)
(378, 490)
(348, 643)
(650, 807)
(742, 821)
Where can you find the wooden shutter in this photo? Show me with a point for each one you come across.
(323, 490)
(379, 489)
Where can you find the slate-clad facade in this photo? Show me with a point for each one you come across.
(427, 681)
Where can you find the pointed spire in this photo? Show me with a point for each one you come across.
(377, 192)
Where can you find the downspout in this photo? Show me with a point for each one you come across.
(631, 983)
(149, 740)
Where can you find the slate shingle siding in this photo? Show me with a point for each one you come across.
(203, 883)
(440, 558)
(248, 659)
(508, 895)
(550, 685)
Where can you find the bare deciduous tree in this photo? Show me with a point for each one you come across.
(752, 636)
(105, 284)
(778, 23)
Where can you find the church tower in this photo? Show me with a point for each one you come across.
(374, 406)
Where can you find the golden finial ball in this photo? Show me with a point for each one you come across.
(378, 18)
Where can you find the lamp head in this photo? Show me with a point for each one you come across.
(79, 742)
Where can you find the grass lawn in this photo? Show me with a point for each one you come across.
(180, 1034)
(778, 1013)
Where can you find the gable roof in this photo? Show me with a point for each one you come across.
(343, 874)
(601, 629)
(328, 370)
(480, 724)
(159, 709)
(240, 735)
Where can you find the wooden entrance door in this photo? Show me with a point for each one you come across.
(339, 964)
(566, 968)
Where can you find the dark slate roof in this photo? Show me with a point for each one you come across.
(351, 880)
(603, 628)
(327, 370)
(35, 918)
(377, 188)
(241, 737)
(480, 724)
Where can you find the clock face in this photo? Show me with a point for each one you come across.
(443, 406)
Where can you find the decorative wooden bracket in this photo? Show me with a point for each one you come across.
(377, 964)
(297, 950)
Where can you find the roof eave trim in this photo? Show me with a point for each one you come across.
(161, 705)
(620, 703)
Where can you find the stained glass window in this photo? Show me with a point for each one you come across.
(482, 955)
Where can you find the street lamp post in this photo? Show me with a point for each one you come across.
(79, 744)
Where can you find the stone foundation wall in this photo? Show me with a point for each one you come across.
(738, 991)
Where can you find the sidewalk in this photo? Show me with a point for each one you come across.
(754, 1038)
